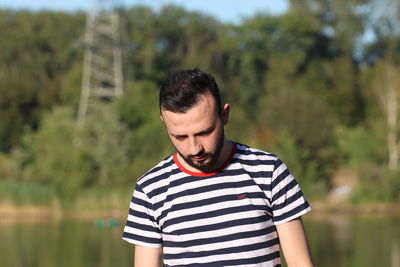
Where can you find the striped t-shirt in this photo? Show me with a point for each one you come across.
(226, 218)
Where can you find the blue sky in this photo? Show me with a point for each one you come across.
(225, 10)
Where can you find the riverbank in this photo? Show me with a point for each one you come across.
(30, 213)
(53, 212)
(91, 204)
(324, 207)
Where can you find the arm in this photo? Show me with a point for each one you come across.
(294, 243)
(147, 257)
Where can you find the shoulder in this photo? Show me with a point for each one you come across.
(158, 173)
(255, 159)
(247, 153)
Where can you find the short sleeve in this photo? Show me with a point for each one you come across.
(287, 199)
(141, 227)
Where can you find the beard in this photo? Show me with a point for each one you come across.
(211, 158)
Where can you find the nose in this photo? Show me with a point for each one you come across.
(195, 146)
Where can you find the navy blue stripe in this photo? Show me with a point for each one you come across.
(252, 162)
(191, 179)
(207, 188)
(288, 201)
(142, 215)
(264, 186)
(144, 239)
(162, 176)
(222, 225)
(185, 180)
(143, 227)
(225, 238)
(233, 172)
(284, 190)
(209, 201)
(165, 165)
(140, 202)
(244, 150)
(292, 212)
(208, 214)
(213, 213)
(244, 261)
(226, 251)
(280, 178)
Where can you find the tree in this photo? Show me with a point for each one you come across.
(384, 82)
(59, 155)
(308, 125)
(381, 76)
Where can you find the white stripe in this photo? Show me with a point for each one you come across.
(256, 157)
(139, 220)
(140, 232)
(289, 207)
(214, 220)
(294, 216)
(287, 195)
(233, 256)
(219, 233)
(282, 184)
(157, 173)
(165, 182)
(251, 168)
(140, 243)
(211, 207)
(201, 196)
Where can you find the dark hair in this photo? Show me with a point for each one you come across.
(180, 91)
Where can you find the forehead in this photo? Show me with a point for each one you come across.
(198, 118)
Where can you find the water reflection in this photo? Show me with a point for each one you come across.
(351, 241)
(336, 241)
(59, 244)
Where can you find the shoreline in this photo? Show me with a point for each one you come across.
(326, 207)
(53, 212)
(10, 213)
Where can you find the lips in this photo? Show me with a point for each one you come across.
(201, 158)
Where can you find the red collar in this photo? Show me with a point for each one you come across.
(203, 174)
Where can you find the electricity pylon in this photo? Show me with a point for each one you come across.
(102, 78)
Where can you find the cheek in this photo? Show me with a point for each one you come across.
(211, 141)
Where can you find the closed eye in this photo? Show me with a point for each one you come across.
(180, 137)
(205, 133)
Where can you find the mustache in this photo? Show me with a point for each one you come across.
(200, 154)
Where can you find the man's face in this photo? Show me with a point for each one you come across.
(198, 134)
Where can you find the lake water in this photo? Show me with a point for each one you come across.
(336, 240)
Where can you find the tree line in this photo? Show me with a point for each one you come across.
(318, 85)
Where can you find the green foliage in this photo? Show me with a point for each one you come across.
(18, 192)
(376, 184)
(301, 164)
(301, 84)
(306, 117)
(359, 146)
(36, 50)
(303, 129)
(58, 154)
(140, 112)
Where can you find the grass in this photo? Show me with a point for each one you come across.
(36, 200)
(21, 193)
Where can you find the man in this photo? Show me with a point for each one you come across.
(214, 202)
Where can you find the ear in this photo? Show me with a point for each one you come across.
(161, 117)
(225, 113)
